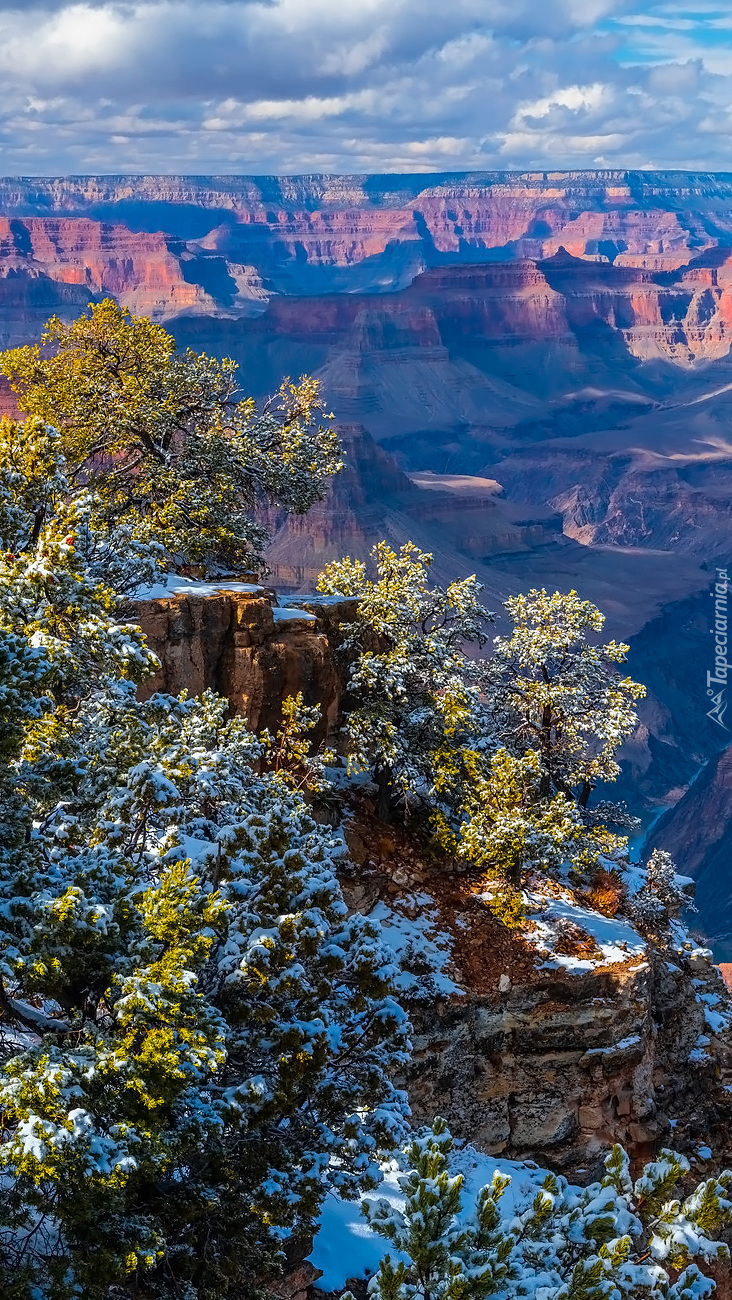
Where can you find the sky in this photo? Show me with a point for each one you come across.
(303, 86)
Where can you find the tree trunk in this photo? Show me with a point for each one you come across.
(585, 793)
(383, 774)
(545, 782)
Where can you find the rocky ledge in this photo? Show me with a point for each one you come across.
(546, 1045)
(236, 640)
(554, 1043)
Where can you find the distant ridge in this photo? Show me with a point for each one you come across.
(30, 195)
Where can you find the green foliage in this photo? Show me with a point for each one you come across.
(557, 693)
(613, 1240)
(442, 1259)
(59, 628)
(508, 749)
(288, 754)
(163, 439)
(196, 1041)
(506, 827)
(410, 678)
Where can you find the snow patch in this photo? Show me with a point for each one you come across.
(616, 940)
(172, 584)
(624, 1045)
(417, 940)
(295, 615)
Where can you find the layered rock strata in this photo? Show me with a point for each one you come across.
(235, 644)
(533, 1058)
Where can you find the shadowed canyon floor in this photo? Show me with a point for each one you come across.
(532, 375)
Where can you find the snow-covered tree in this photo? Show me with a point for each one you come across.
(614, 1240)
(59, 620)
(661, 896)
(446, 1259)
(557, 693)
(410, 681)
(165, 437)
(196, 1041)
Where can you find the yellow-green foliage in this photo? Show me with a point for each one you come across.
(164, 438)
(289, 753)
(506, 827)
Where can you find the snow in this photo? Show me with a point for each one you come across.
(624, 1045)
(285, 615)
(615, 938)
(417, 937)
(717, 1012)
(315, 599)
(172, 584)
(697, 1053)
(346, 1248)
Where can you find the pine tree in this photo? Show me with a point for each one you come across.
(447, 1260)
(165, 438)
(614, 1240)
(494, 818)
(196, 1041)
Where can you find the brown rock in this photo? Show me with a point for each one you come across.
(232, 644)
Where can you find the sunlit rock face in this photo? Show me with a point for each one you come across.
(244, 648)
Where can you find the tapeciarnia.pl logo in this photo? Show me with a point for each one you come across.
(721, 667)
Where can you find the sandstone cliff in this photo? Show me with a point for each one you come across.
(244, 648)
(643, 218)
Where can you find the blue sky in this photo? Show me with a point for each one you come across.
(662, 32)
(363, 85)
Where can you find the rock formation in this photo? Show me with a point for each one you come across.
(237, 644)
(535, 1055)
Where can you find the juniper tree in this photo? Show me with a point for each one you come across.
(557, 693)
(166, 439)
(492, 815)
(196, 1041)
(410, 680)
(660, 897)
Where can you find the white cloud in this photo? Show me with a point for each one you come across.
(353, 85)
(575, 98)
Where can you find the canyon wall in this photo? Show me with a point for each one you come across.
(697, 833)
(525, 1057)
(245, 648)
(173, 245)
(531, 373)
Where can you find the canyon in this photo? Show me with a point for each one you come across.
(531, 374)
